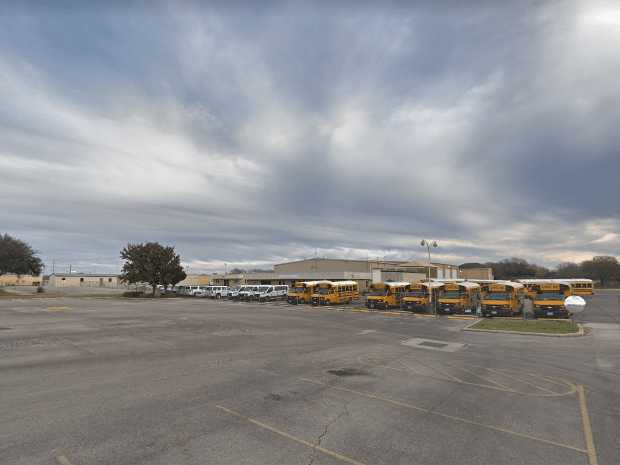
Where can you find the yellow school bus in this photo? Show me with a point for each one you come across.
(420, 296)
(301, 292)
(386, 295)
(502, 299)
(581, 286)
(335, 292)
(531, 286)
(549, 299)
(459, 297)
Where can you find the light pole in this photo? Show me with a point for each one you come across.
(428, 244)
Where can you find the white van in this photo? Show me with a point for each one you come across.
(248, 292)
(238, 292)
(194, 290)
(233, 292)
(278, 291)
(217, 292)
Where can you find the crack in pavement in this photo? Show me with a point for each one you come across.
(319, 440)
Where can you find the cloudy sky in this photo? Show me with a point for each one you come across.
(264, 132)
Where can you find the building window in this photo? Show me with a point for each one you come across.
(62, 279)
(81, 280)
(109, 280)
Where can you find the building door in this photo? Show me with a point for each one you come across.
(100, 282)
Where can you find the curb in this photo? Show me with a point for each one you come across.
(579, 333)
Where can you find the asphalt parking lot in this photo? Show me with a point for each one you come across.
(196, 381)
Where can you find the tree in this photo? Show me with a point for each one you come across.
(514, 268)
(569, 270)
(18, 257)
(603, 268)
(151, 263)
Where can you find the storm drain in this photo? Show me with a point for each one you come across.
(433, 344)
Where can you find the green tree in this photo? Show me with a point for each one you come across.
(514, 268)
(602, 268)
(151, 263)
(18, 257)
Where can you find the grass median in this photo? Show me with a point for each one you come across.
(527, 326)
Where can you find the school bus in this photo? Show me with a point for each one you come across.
(418, 298)
(386, 295)
(502, 299)
(581, 286)
(301, 292)
(458, 297)
(335, 292)
(549, 299)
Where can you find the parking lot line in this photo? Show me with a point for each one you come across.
(450, 417)
(488, 380)
(501, 373)
(587, 426)
(325, 451)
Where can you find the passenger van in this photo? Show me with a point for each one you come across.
(502, 299)
(458, 297)
(247, 292)
(193, 290)
(334, 293)
(549, 299)
(278, 291)
(420, 296)
(217, 292)
(386, 295)
(301, 292)
(239, 292)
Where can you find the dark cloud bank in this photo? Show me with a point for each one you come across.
(252, 135)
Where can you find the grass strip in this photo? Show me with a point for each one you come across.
(528, 326)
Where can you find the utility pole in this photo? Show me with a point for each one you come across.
(428, 244)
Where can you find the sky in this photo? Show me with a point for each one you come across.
(251, 133)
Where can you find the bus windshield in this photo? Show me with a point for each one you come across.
(378, 292)
(550, 296)
(416, 294)
(452, 294)
(497, 296)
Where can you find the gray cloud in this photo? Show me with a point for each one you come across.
(249, 135)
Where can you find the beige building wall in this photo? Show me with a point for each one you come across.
(20, 280)
(196, 280)
(476, 273)
(84, 281)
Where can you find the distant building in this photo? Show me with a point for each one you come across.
(196, 280)
(475, 271)
(365, 272)
(84, 280)
(20, 280)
